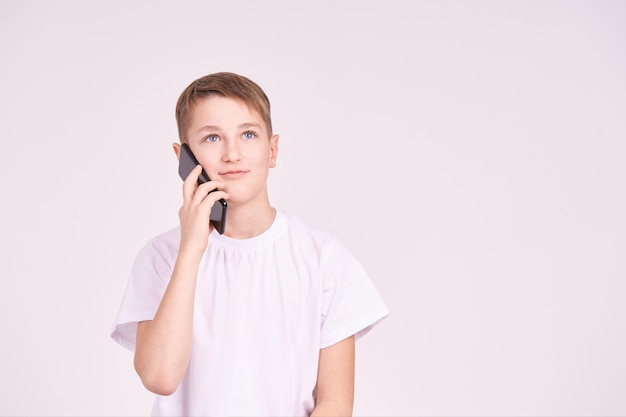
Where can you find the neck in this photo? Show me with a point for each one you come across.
(243, 222)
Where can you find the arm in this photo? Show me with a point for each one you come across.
(163, 345)
(335, 380)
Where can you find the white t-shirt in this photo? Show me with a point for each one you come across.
(264, 307)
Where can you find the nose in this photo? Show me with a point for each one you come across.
(231, 151)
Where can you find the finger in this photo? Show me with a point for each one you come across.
(204, 190)
(191, 183)
(207, 205)
(212, 198)
(202, 209)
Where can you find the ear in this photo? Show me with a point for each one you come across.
(176, 147)
(273, 150)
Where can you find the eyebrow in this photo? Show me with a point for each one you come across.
(208, 127)
(249, 125)
(212, 128)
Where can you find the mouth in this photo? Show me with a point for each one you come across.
(234, 174)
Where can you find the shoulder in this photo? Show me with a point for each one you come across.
(306, 235)
(300, 230)
(163, 246)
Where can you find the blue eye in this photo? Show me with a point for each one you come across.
(212, 138)
(249, 135)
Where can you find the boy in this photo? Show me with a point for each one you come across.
(261, 320)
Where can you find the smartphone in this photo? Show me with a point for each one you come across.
(186, 164)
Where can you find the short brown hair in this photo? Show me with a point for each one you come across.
(226, 84)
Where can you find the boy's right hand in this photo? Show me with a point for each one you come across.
(195, 213)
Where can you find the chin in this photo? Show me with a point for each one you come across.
(236, 201)
(244, 199)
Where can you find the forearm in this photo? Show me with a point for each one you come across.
(164, 344)
(335, 380)
(332, 409)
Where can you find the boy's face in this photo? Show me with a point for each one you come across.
(233, 145)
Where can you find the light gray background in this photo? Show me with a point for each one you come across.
(470, 153)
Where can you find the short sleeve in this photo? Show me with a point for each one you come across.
(146, 285)
(351, 305)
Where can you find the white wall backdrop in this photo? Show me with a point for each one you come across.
(471, 153)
